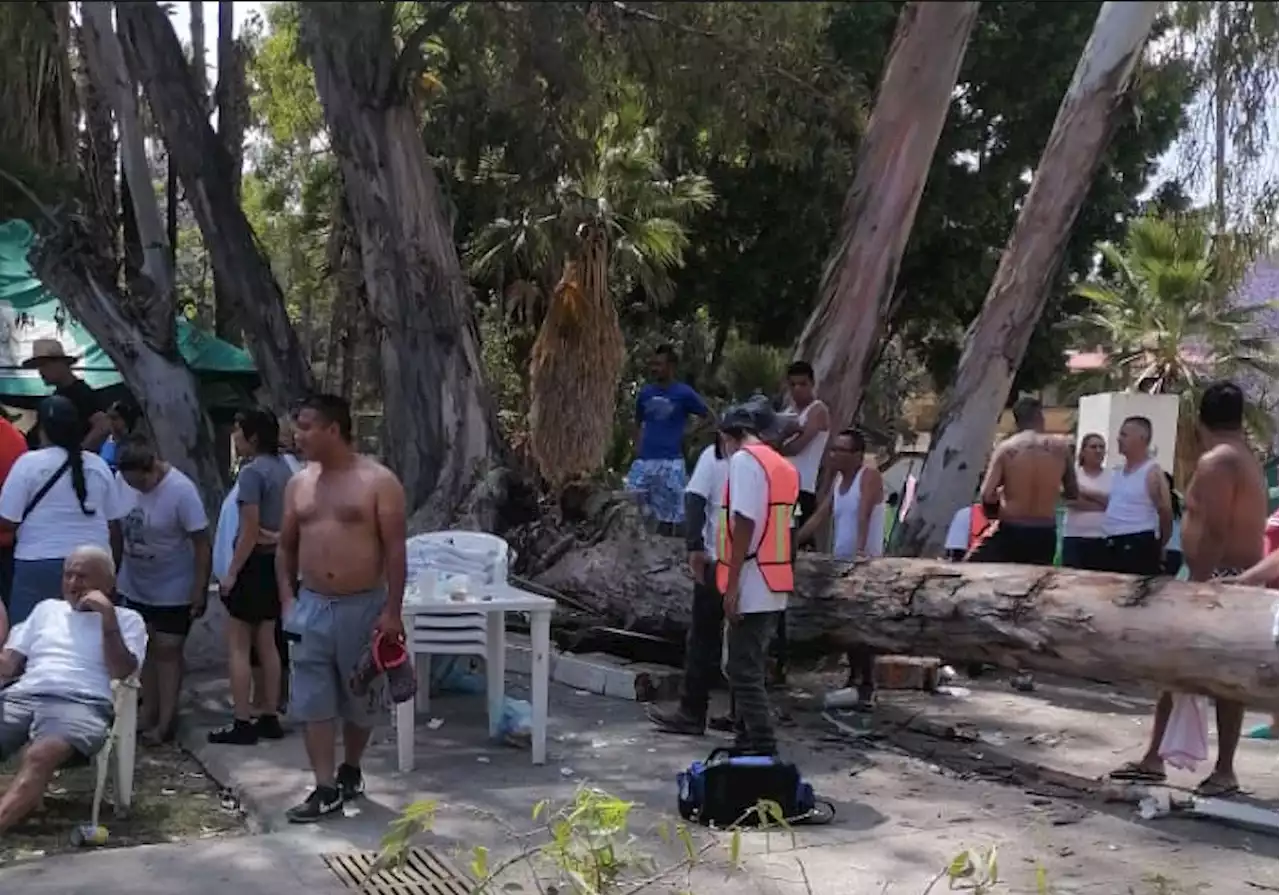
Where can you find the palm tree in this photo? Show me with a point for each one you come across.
(615, 225)
(1164, 322)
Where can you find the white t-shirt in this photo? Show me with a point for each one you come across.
(958, 530)
(749, 496)
(158, 566)
(64, 650)
(57, 525)
(1088, 523)
(707, 481)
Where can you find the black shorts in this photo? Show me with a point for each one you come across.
(173, 620)
(1033, 545)
(1134, 554)
(255, 598)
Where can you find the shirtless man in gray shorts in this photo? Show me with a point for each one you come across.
(343, 538)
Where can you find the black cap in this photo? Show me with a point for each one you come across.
(56, 410)
(739, 416)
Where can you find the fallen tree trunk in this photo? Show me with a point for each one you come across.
(1203, 638)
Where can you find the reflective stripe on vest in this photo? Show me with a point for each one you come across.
(978, 525)
(773, 556)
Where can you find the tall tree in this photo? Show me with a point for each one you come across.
(204, 166)
(856, 299)
(440, 428)
(199, 49)
(231, 99)
(134, 327)
(998, 338)
(102, 51)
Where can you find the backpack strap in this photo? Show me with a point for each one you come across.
(44, 490)
(822, 813)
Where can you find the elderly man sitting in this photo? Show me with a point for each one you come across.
(57, 668)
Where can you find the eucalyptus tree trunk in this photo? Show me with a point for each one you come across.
(843, 334)
(135, 328)
(97, 152)
(199, 52)
(106, 62)
(154, 52)
(232, 102)
(439, 424)
(997, 340)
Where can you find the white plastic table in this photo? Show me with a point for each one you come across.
(476, 626)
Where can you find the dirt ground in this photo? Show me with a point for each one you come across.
(173, 800)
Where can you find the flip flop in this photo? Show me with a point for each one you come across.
(1214, 789)
(1132, 772)
(1262, 732)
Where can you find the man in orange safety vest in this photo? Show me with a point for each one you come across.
(755, 569)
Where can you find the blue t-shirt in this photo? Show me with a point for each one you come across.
(662, 411)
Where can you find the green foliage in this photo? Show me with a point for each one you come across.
(1164, 321)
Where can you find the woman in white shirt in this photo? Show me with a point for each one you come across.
(58, 497)
(1083, 539)
(855, 502)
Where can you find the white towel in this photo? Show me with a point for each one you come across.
(1186, 740)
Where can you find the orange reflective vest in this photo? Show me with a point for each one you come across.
(978, 525)
(773, 556)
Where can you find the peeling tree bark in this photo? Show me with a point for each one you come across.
(1199, 638)
(106, 63)
(842, 336)
(996, 342)
(98, 169)
(232, 101)
(203, 165)
(440, 427)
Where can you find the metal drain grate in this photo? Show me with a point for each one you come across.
(422, 873)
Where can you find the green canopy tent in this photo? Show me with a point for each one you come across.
(28, 311)
(1273, 484)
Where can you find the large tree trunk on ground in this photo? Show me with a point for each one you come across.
(232, 101)
(842, 336)
(440, 427)
(155, 54)
(1205, 638)
(996, 342)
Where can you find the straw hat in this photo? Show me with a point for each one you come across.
(43, 350)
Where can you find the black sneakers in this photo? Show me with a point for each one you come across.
(237, 733)
(323, 801)
(268, 727)
(350, 782)
(677, 720)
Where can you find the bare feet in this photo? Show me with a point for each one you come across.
(156, 737)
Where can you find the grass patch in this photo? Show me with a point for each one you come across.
(173, 800)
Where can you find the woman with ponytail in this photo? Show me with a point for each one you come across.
(58, 498)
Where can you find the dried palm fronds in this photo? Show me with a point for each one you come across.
(574, 369)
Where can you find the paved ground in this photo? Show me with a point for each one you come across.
(908, 802)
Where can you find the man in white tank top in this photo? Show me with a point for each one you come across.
(807, 446)
(1139, 515)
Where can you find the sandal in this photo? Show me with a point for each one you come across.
(1262, 732)
(1133, 772)
(1210, 788)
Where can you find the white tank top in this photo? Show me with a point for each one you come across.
(1130, 509)
(809, 460)
(1088, 523)
(844, 521)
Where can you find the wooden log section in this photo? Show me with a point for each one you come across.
(1203, 638)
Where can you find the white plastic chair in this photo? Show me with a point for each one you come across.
(452, 633)
(124, 733)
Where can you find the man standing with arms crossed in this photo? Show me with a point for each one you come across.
(1222, 536)
(1029, 471)
(343, 538)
